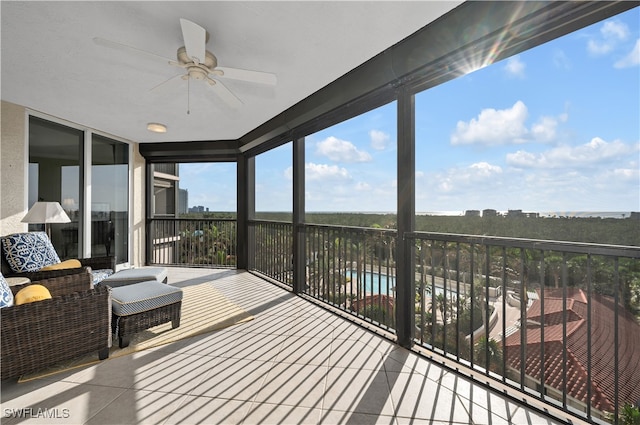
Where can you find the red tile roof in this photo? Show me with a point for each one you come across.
(602, 351)
(384, 301)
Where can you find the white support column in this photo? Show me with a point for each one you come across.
(85, 226)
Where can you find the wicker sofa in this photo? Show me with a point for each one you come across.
(96, 263)
(45, 253)
(75, 321)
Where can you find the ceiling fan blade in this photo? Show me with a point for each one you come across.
(225, 94)
(115, 45)
(246, 75)
(195, 38)
(165, 82)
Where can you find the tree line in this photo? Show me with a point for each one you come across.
(609, 231)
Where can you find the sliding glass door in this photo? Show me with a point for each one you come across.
(55, 175)
(88, 174)
(109, 198)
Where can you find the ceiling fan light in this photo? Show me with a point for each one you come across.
(156, 127)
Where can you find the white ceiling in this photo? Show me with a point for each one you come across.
(51, 64)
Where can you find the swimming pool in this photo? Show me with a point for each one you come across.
(375, 283)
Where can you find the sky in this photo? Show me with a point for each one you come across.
(553, 129)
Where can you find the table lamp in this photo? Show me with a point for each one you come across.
(47, 213)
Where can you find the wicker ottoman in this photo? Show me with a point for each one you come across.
(143, 305)
(130, 276)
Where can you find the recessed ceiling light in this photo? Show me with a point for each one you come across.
(157, 127)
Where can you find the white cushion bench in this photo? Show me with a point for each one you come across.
(143, 305)
(142, 274)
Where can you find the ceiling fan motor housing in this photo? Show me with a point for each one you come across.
(210, 61)
(199, 71)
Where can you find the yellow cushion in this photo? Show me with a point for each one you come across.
(67, 264)
(32, 293)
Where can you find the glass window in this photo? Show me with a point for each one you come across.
(110, 198)
(56, 158)
(55, 167)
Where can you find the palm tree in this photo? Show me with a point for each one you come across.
(481, 301)
(440, 304)
(553, 262)
(489, 354)
(446, 338)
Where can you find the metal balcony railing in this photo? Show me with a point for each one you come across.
(353, 269)
(557, 321)
(272, 244)
(193, 242)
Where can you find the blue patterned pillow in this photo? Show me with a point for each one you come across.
(6, 296)
(100, 275)
(28, 252)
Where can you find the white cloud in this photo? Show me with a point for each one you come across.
(481, 186)
(341, 151)
(320, 172)
(484, 169)
(560, 60)
(477, 186)
(522, 159)
(340, 192)
(611, 33)
(459, 180)
(506, 127)
(379, 139)
(493, 127)
(614, 30)
(599, 47)
(631, 59)
(593, 153)
(323, 172)
(515, 67)
(545, 129)
(629, 174)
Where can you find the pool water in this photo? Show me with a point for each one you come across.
(375, 283)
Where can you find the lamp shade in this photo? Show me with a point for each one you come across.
(46, 212)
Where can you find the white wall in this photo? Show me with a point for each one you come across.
(13, 168)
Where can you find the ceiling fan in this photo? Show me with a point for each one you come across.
(200, 64)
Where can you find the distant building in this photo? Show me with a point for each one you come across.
(635, 215)
(514, 213)
(183, 201)
(472, 213)
(602, 331)
(198, 209)
(489, 213)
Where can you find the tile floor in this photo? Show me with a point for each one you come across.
(295, 363)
